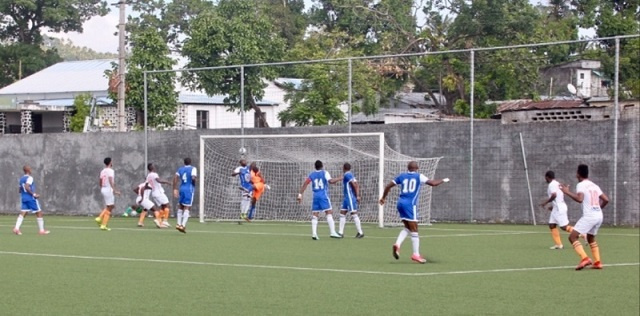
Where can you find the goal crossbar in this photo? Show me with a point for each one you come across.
(286, 159)
(380, 137)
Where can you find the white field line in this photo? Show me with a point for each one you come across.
(291, 268)
(424, 235)
(424, 230)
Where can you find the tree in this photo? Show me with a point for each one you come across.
(288, 18)
(170, 18)
(81, 109)
(23, 20)
(234, 33)
(150, 52)
(21, 60)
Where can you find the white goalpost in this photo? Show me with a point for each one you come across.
(285, 160)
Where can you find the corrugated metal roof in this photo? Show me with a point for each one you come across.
(520, 105)
(218, 99)
(71, 76)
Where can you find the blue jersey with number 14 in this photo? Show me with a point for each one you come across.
(409, 183)
(320, 183)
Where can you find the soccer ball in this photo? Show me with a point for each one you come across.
(242, 151)
(134, 213)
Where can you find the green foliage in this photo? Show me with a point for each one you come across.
(171, 18)
(23, 20)
(81, 109)
(69, 52)
(21, 60)
(234, 33)
(288, 18)
(150, 52)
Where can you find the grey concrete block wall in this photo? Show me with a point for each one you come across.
(66, 166)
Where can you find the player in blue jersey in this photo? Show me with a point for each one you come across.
(187, 176)
(30, 204)
(244, 173)
(409, 183)
(351, 191)
(320, 180)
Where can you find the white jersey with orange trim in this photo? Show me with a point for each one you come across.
(591, 198)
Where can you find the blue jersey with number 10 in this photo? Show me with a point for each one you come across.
(409, 183)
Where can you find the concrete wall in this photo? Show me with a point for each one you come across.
(66, 166)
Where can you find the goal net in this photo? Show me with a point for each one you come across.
(285, 161)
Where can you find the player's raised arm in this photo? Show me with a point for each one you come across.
(436, 182)
(386, 191)
(303, 188)
(578, 196)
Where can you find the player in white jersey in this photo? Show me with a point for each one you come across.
(558, 208)
(593, 200)
(143, 202)
(108, 189)
(158, 195)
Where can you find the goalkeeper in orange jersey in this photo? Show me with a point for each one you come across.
(258, 188)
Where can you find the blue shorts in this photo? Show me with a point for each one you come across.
(349, 204)
(408, 211)
(186, 197)
(321, 204)
(31, 206)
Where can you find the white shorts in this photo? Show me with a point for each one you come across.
(146, 203)
(559, 215)
(160, 198)
(245, 204)
(107, 194)
(588, 225)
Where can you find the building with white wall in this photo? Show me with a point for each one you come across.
(43, 102)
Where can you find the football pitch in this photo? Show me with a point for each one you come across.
(276, 269)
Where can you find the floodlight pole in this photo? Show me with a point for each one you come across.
(122, 126)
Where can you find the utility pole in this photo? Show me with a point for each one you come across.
(122, 118)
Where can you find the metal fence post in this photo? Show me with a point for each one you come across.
(471, 110)
(349, 115)
(616, 117)
(242, 106)
(146, 123)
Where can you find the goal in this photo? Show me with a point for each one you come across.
(286, 160)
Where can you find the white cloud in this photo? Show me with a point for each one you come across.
(98, 34)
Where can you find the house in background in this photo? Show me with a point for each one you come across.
(525, 111)
(584, 74)
(43, 102)
(405, 107)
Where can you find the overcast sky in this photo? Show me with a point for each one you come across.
(99, 31)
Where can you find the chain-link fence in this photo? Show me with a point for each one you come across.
(501, 117)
